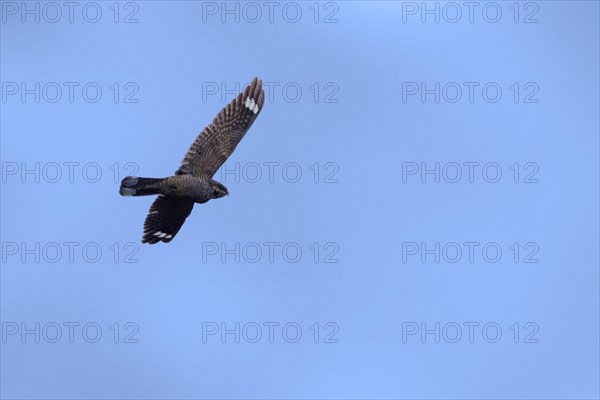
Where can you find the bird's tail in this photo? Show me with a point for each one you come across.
(136, 186)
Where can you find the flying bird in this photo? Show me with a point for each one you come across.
(192, 182)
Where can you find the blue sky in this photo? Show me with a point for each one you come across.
(414, 214)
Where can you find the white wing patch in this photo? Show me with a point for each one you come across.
(251, 105)
(162, 235)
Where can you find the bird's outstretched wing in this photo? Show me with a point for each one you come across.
(219, 139)
(165, 218)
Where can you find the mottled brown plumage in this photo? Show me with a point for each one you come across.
(192, 182)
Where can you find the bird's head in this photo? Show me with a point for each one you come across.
(218, 189)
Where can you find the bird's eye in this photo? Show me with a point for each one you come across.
(215, 193)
